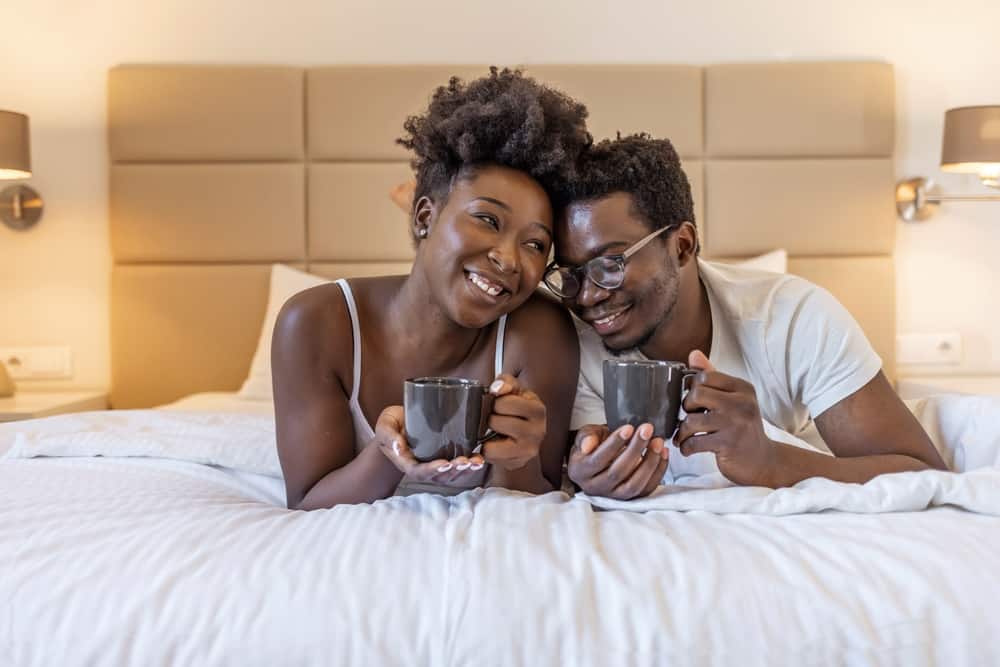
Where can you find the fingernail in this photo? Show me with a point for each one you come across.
(445, 468)
(395, 447)
(645, 431)
(477, 466)
(462, 466)
(625, 432)
(496, 387)
(656, 445)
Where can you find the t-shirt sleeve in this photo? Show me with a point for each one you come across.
(828, 356)
(589, 405)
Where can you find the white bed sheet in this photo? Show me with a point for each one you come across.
(220, 401)
(138, 559)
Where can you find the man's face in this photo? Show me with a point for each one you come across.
(629, 316)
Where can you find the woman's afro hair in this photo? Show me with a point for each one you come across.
(505, 119)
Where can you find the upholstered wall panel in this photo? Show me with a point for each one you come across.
(695, 172)
(663, 100)
(335, 270)
(218, 171)
(205, 113)
(808, 207)
(800, 110)
(351, 217)
(867, 288)
(178, 330)
(207, 212)
(357, 112)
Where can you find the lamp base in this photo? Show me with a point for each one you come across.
(914, 199)
(20, 207)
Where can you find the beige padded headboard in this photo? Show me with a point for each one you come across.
(219, 171)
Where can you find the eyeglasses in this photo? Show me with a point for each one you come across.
(606, 271)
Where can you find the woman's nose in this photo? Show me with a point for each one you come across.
(505, 262)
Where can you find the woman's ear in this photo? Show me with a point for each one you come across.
(424, 214)
(688, 245)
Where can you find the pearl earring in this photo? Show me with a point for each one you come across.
(422, 232)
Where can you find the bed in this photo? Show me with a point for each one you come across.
(158, 536)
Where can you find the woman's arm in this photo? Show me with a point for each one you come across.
(543, 352)
(315, 432)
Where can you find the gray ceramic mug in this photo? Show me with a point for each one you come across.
(445, 416)
(645, 392)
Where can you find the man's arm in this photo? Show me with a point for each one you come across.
(870, 432)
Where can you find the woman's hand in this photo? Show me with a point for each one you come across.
(518, 418)
(390, 436)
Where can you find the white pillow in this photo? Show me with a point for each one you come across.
(775, 261)
(285, 283)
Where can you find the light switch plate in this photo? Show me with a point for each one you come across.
(38, 363)
(929, 348)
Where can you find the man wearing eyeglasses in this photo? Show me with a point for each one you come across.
(771, 348)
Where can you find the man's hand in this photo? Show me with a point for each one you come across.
(724, 418)
(626, 464)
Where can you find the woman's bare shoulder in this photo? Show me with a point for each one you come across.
(542, 328)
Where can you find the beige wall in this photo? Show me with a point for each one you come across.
(54, 279)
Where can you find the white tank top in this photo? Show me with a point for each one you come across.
(363, 431)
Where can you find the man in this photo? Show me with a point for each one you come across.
(771, 348)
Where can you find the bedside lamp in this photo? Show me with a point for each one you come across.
(971, 145)
(20, 206)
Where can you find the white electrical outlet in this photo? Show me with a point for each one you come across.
(38, 363)
(929, 348)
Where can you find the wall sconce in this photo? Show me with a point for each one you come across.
(971, 146)
(20, 206)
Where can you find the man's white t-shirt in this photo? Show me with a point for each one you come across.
(792, 340)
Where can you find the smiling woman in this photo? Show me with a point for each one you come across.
(488, 153)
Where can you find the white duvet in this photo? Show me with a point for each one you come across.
(173, 548)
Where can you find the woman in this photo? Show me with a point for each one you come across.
(487, 154)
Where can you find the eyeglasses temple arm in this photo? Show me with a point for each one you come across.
(638, 246)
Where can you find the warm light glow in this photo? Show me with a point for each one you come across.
(984, 169)
(7, 174)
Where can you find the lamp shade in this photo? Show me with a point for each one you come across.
(972, 141)
(15, 146)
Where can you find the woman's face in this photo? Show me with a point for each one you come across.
(486, 247)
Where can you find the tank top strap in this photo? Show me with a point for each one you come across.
(498, 356)
(356, 335)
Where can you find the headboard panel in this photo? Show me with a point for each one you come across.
(218, 171)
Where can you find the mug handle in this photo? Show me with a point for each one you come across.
(686, 375)
(490, 434)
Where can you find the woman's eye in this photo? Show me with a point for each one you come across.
(489, 220)
(537, 245)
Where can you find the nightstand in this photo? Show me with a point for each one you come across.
(32, 404)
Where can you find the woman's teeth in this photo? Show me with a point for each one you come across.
(485, 285)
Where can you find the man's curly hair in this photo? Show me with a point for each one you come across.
(505, 119)
(644, 167)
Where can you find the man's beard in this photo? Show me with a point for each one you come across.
(670, 289)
